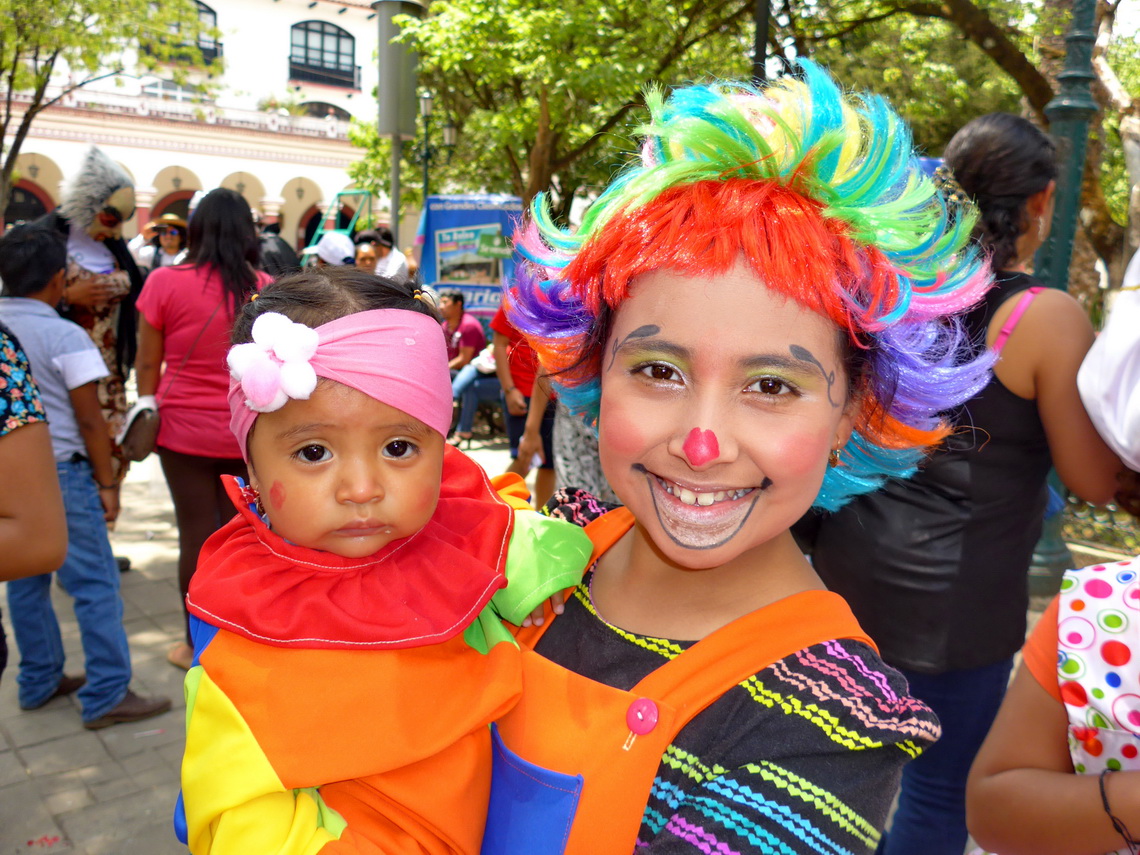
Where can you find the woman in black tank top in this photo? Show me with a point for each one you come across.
(935, 567)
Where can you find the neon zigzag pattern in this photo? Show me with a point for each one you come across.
(827, 722)
(819, 800)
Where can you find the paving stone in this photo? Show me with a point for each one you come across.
(138, 824)
(24, 817)
(79, 751)
(55, 720)
(68, 800)
(11, 769)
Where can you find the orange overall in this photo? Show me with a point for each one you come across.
(575, 759)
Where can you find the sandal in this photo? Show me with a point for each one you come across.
(459, 439)
(181, 656)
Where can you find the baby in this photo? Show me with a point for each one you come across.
(350, 653)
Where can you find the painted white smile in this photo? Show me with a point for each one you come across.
(701, 499)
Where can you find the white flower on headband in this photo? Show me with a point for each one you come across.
(274, 367)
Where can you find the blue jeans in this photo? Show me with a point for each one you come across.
(931, 816)
(471, 388)
(90, 575)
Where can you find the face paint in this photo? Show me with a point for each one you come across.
(751, 366)
(641, 332)
(701, 447)
(699, 526)
(277, 495)
(805, 355)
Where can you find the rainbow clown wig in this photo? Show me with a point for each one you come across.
(821, 194)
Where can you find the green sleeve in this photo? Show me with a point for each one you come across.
(545, 555)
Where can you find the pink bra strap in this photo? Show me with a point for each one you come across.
(1015, 316)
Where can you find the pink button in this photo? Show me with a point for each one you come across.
(641, 717)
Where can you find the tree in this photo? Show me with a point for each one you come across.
(539, 90)
(70, 43)
(1029, 49)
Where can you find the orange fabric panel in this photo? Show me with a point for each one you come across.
(1040, 651)
(435, 807)
(573, 725)
(445, 692)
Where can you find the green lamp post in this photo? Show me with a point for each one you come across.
(1068, 113)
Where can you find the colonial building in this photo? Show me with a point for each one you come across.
(273, 125)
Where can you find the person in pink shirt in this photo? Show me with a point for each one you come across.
(186, 313)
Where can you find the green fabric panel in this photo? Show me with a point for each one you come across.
(328, 819)
(546, 555)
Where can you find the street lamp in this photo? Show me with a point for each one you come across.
(425, 151)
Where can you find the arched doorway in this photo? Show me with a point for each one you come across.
(27, 201)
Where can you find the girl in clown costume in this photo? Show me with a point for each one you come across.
(757, 316)
(1059, 773)
(349, 650)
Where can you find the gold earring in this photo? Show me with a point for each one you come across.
(833, 457)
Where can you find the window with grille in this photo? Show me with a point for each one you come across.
(321, 52)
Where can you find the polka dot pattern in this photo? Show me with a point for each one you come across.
(1098, 665)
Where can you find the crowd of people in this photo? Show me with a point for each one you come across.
(799, 400)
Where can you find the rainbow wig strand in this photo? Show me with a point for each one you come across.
(821, 194)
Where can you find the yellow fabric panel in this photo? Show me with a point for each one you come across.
(235, 803)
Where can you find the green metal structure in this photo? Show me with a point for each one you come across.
(360, 201)
(1069, 113)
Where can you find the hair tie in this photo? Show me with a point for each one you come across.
(945, 181)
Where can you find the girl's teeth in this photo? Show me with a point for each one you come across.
(688, 497)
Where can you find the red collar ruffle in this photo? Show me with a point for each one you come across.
(420, 590)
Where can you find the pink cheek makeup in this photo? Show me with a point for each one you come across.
(701, 447)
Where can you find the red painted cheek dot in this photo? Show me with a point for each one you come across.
(701, 446)
(277, 494)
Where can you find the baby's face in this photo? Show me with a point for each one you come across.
(343, 472)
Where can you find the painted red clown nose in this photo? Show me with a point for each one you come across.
(701, 447)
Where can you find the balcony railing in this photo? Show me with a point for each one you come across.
(167, 109)
(349, 78)
(209, 52)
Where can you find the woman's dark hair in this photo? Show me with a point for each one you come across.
(1001, 160)
(222, 236)
(318, 295)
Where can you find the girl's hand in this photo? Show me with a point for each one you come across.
(538, 616)
(516, 403)
(530, 446)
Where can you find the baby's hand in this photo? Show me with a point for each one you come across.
(537, 617)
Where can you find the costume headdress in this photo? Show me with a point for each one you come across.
(393, 355)
(89, 189)
(821, 193)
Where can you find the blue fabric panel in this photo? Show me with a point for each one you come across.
(202, 634)
(531, 808)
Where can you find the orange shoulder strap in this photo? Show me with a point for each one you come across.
(748, 645)
(608, 529)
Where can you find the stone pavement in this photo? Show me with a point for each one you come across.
(112, 791)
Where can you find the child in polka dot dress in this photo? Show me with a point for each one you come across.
(1059, 773)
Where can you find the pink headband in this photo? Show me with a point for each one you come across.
(396, 356)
